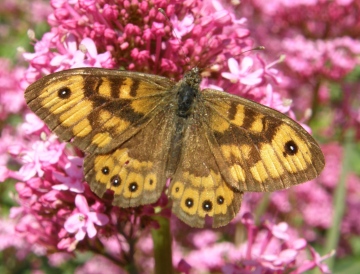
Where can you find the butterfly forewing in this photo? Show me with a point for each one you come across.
(99, 109)
(263, 149)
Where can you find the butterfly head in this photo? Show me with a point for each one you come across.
(193, 78)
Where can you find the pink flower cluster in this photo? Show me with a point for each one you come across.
(313, 202)
(320, 42)
(89, 33)
(269, 248)
(11, 90)
(56, 209)
(318, 55)
(50, 191)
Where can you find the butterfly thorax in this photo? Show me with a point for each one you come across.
(187, 96)
(187, 92)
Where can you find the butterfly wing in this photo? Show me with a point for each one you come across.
(261, 148)
(98, 109)
(197, 188)
(121, 119)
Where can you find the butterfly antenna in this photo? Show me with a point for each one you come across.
(241, 53)
(182, 52)
(256, 48)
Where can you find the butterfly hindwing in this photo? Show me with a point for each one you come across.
(99, 109)
(134, 171)
(263, 150)
(198, 188)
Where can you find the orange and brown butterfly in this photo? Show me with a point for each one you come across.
(138, 130)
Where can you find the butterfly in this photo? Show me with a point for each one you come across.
(138, 130)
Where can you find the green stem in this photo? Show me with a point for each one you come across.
(315, 102)
(333, 234)
(131, 266)
(262, 207)
(131, 269)
(162, 246)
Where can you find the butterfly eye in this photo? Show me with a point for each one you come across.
(133, 187)
(291, 148)
(105, 170)
(220, 200)
(64, 93)
(207, 205)
(115, 180)
(189, 202)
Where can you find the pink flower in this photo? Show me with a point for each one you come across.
(32, 124)
(82, 55)
(73, 178)
(204, 238)
(242, 73)
(41, 57)
(184, 26)
(316, 262)
(9, 239)
(84, 221)
(37, 158)
(11, 93)
(275, 100)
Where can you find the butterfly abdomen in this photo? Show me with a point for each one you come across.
(187, 95)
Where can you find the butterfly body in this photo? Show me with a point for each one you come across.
(138, 130)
